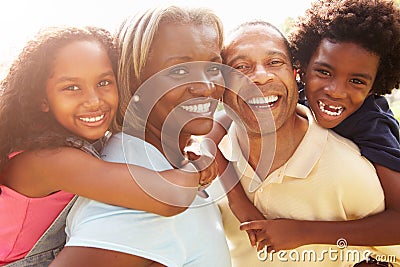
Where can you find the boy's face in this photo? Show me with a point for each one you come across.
(338, 78)
(81, 91)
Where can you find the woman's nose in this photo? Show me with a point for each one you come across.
(204, 89)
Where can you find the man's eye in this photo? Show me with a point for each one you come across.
(103, 83)
(241, 67)
(276, 62)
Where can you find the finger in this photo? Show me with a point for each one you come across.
(252, 238)
(262, 244)
(192, 156)
(252, 225)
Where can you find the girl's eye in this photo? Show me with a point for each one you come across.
(71, 88)
(103, 83)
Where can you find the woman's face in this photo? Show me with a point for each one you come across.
(186, 60)
(338, 78)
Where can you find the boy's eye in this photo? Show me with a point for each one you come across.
(71, 88)
(324, 72)
(103, 83)
(357, 81)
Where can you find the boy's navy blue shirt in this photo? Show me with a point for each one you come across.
(373, 128)
(375, 131)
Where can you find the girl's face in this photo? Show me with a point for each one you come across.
(338, 78)
(81, 91)
(189, 58)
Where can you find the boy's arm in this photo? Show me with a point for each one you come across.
(380, 229)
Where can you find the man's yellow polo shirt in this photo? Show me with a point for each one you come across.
(325, 179)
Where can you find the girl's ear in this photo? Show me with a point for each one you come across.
(44, 105)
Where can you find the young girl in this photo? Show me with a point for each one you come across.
(59, 100)
(348, 51)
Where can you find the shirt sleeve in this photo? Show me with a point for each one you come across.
(375, 131)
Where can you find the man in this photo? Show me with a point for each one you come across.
(312, 174)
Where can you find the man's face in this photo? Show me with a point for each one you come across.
(260, 53)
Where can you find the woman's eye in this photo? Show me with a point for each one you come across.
(214, 69)
(71, 88)
(178, 71)
(103, 83)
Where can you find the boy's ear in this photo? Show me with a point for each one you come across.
(44, 105)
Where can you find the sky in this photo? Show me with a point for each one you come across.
(21, 19)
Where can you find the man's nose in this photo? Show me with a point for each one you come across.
(261, 75)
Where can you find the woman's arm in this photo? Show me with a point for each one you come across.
(73, 170)
(239, 203)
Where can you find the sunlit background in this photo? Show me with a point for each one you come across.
(21, 19)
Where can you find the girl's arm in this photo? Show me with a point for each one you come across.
(72, 170)
(376, 230)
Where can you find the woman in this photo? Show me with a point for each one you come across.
(177, 49)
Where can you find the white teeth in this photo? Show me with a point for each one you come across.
(263, 100)
(92, 119)
(199, 108)
(337, 110)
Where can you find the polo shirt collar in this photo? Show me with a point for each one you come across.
(299, 165)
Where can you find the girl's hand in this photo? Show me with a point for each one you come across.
(279, 234)
(206, 166)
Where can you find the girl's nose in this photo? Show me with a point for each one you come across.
(92, 98)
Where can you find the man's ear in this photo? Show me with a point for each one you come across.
(44, 105)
